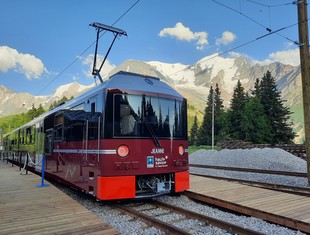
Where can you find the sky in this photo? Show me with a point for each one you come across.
(45, 44)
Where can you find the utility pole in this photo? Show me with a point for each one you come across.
(305, 71)
(213, 120)
(1, 144)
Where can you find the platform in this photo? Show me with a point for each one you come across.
(282, 208)
(28, 209)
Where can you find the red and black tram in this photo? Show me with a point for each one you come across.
(125, 138)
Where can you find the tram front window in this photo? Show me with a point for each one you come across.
(146, 116)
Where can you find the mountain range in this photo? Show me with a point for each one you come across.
(193, 82)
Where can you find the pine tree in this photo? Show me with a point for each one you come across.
(256, 91)
(32, 113)
(278, 115)
(40, 110)
(219, 113)
(204, 133)
(236, 112)
(254, 122)
(193, 138)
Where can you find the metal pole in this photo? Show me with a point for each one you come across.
(27, 164)
(20, 161)
(1, 144)
(213, 120)
(42, 173)
(305, 72)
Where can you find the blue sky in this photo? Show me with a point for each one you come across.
(43, 43)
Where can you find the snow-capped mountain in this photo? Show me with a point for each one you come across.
(193, 81)
(227, 71)
(13, 103)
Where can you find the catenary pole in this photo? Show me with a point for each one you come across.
(305, 71)
(213, 120)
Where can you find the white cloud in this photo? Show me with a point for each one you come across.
(227, 37)
(27, 64)
(290, 57)
(182, 33)
(89, 60)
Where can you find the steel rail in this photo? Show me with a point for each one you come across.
(153, 221)
(277, 219)
(232, 228)
(241, 169)
(278, 187)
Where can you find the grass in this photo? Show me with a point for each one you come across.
(193, 148)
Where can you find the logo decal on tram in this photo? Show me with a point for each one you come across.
(150, 162)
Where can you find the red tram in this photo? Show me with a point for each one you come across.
(125, 138)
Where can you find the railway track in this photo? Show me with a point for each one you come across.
(150, 214)
(278, 187)
(278, 208)
(154, 213)
(261, 171)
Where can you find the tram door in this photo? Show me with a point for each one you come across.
(93, 125)
(39, 149)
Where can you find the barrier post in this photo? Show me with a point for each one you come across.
(27, 164)
(13, 158)
(42, 174)
(20, 162)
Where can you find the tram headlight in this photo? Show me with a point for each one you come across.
(123, 150)
(181, 150)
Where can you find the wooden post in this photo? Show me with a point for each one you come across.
(305, 71)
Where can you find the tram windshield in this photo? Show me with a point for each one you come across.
(149, 116)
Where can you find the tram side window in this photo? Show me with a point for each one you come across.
(58, 133)
(32, 136)
(75, 131)
(93, 108)
(93, 121)
(49, 141)
(59, 127)
(93, 126)
(29, 137)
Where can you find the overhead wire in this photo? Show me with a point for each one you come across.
(237, 47)
(246, 16)
(274, 5)
(79, 56)
(255, 21)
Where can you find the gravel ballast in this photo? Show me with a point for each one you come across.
(267, 158)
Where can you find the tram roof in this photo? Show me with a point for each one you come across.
(122, 81)
(133, 81)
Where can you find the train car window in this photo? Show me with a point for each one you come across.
(94, 119)
(79, 107)
(49, 142)
(93, 108)
(27, 136)
(59, 127)
(75, 124)
(94, 123)
(75, 132)
(108, 119)
(127, 120)
(146, 116)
